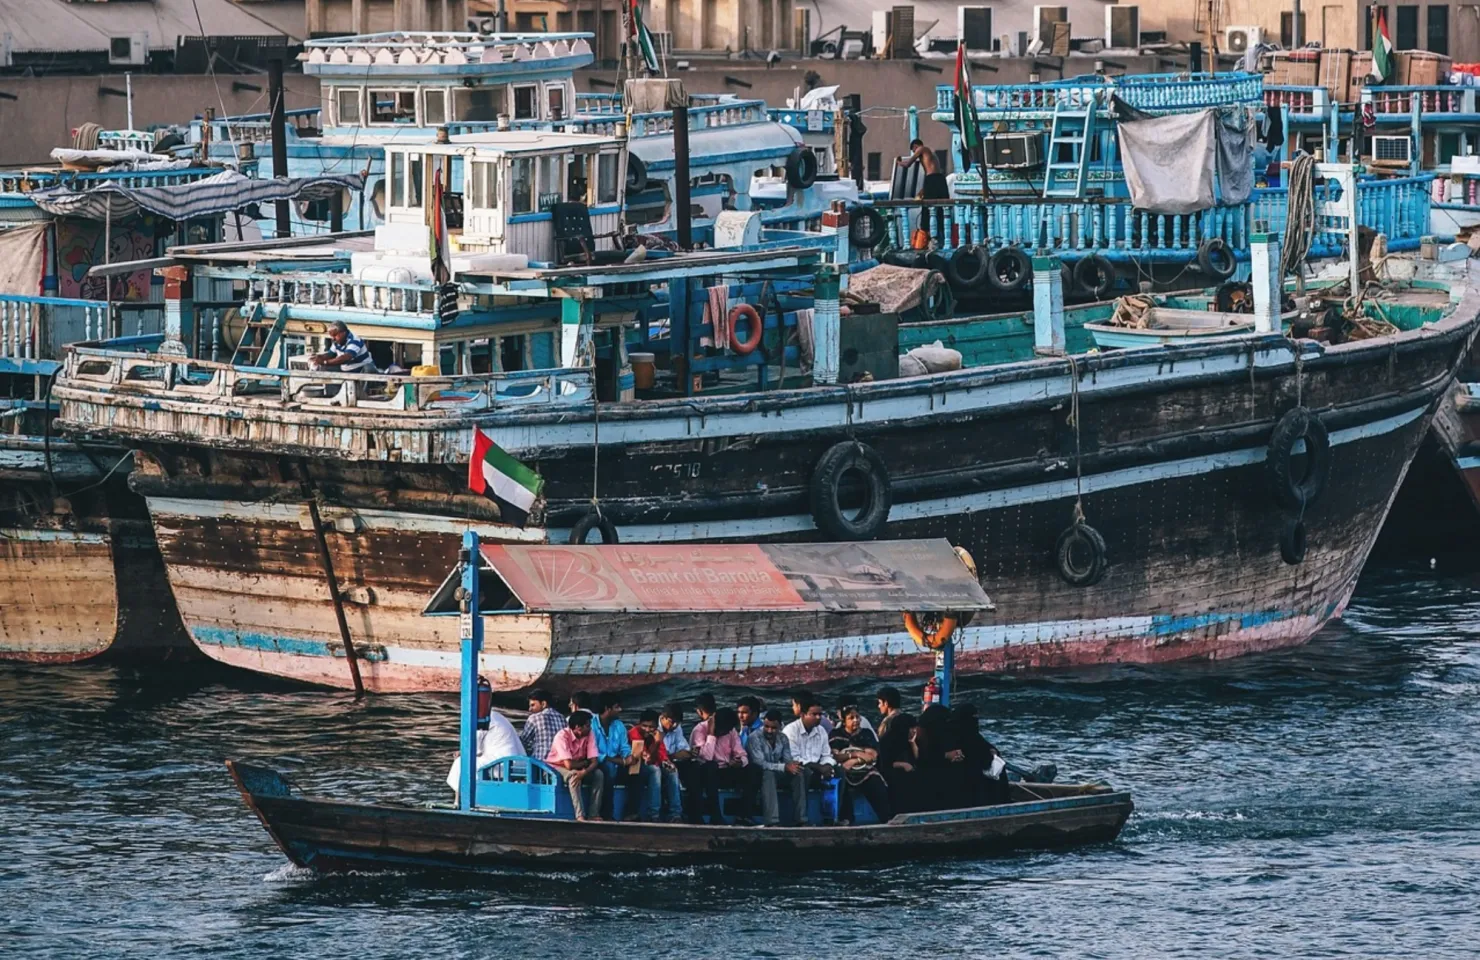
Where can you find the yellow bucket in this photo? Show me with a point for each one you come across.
(426, 370)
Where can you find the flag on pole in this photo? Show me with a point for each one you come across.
(502, 479)
(1382, 47)
(967, 123)
(643, 39)
(437, 232)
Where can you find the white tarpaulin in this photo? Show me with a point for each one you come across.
(23, 259)
(1169, 161)
(220, 193)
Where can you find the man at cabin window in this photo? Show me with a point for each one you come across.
(542, 726)
(575, 755)
(347, 353)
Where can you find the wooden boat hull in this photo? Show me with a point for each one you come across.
(332, 836)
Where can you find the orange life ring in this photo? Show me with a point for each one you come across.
(934, 639)
(757, 328)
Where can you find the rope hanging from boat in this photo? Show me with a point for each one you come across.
(1300, 216)
(1078, 459)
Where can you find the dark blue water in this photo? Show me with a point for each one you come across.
(1319, 802)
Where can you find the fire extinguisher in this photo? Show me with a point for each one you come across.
(932, 692)
(485, 702)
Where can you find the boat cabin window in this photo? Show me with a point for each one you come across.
(555, 101)
(434, 108)
(526, 103)
(393, 106)
(347, 103)
(478, 105)
(521, 184)
(576, 177)
(483, 185)
(606, 177)
(549, 181)
(396, 174)
(413, 180)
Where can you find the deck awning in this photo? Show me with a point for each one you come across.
(881, 576)
(222, 193)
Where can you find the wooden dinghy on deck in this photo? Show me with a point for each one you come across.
(333, 836)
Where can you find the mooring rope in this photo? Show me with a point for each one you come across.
(1078, 458)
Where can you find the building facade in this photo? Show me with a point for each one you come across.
(328, 18)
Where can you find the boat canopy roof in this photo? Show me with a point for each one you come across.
(890, 576)
(761, 142)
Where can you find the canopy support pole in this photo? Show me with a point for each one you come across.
(470, 630)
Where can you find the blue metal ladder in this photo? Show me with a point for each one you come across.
(260, 337)
(1073, 126)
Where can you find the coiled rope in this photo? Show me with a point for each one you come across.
(1300, 215)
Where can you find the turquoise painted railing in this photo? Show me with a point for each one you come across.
(1398, 208)
(36, 328)
(25, 181)
(1154, 93)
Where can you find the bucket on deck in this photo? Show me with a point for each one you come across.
(426, 370)
(644, 371)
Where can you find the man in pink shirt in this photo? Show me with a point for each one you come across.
(723, 763)
(575, 755)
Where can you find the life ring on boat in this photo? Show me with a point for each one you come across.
(1292, 541)
(1010, 269)
(841, 459)
(1095, 275)
(930, 631)
(1215, 259)
(1296, 490)
(1081, 555)
(801, 168)
(967, 268)
(593, 521)
(753, 336)
(636, 174)
(866, 227)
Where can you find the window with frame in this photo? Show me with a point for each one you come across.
(1405, 26)
(526, 103)
(1438, 31)
(434, 108)
(550, 185)
(483, 185)
(521, 185)
(577, 178)
(607, 165)
(413, 179)
(393, 107)
(347, 105)
(873, 165)
(1287, 29)
(555, 101)
(478, 105)
(396, 174)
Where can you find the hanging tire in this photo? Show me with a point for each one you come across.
(801, 168)
(637, 180)
(1081, 555)
(1066, 278)
(866, 227)
(936, 300)
(967, 268)
(1009, 270)
(1292, 542)
(593, 521)
(1215, 259)
(1292, 491)
(1095, 276)
(841, 459)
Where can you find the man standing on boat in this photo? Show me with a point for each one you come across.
(347, 353)
(935, 186)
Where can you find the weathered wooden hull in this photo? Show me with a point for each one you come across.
(80, 575)
(330, 836)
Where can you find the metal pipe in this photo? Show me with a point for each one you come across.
(279, 125)
(682, 207)
(328, 564)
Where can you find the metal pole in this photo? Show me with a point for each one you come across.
(336, 212)
(681, 202)
(328, 564)
(1297, 35)
(128, 90)
(501, 19)
(279, 139)
(470, 629)
(945, 670)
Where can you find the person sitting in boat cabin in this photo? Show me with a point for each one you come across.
(809, 742)
(798, 701)
(856, 750)
(679, 792)
(347, 353)
(623, 765)
(723, 764)
(575, 755)
(496, 740)
(889, 699)
(770, 754)
(748, 710)
(543, 724)
(935, 185)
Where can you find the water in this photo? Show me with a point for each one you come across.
(1320, 802)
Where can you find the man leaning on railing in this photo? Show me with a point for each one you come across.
(347, 353)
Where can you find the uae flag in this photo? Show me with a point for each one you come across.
(437, 232)
(1382, 46)
(502, 479)
(966, 120)
(643, 39)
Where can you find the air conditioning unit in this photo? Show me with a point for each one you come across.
(1013, 151)
(1392, 149)
(130, 51)
(1043, 20)
(974, 27)
(1122, 27)
(1237, 40)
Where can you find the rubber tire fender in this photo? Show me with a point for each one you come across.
(1215, 259)
(1010, 261)
(827, 476)
(1076, 537)
(1291, 492)
(866, 227)
(967, 268)
(637, 180)
(1095, 276)
(593, 521)
(757, 329)
(801, 168)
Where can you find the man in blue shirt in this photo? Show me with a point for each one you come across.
(641, 776)
(347, 353)
(748, 709)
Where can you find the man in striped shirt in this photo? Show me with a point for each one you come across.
(542, 726)
(347, 353)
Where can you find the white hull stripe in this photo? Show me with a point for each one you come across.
(53, 536)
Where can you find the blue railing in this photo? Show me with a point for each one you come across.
(813, 121)
(1154, 93)
(1398, 208)
(37, 328)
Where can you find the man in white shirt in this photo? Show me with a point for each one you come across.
(809, 744)
(497, 741)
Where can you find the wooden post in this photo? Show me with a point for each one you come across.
(682, 208)
(279, 124)
(1048, 307)
(470, 630)
(328, 564)
(1264, 251)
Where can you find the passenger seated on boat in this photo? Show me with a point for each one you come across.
(897, 761)
(770, 754)
(798, 702)
(723, 764)
(856, 751)
(585, 702)
(704, 706)
(862, 720)
(889, 700)
(575, 755)
(543, 724)
(656, 755)
(496, 739)
(621, 766)
(984, 777)
(347, 353)
(748, 710)
(679, 792)
(809, 744)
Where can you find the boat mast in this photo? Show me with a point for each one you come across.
(470, 631)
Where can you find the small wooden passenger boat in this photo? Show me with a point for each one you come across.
(332, 836)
